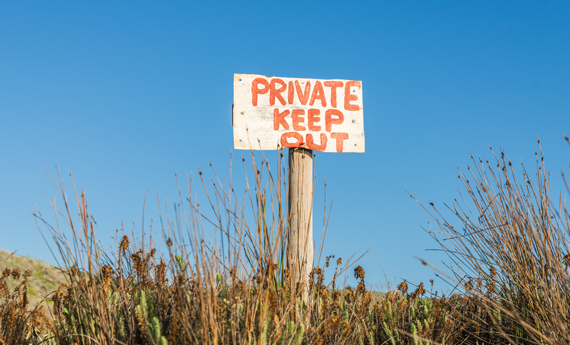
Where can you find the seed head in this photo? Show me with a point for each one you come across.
(16, 273)
(124, 245)
(403, 287)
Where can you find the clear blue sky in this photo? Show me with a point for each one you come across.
(123, 93)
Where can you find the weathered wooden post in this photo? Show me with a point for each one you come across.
(304, 115)
(300, 247)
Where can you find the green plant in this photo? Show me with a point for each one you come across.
(148, 318)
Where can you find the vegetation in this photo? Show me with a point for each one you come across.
(507, 243)
(44, 279)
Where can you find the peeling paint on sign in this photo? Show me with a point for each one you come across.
(271, 113)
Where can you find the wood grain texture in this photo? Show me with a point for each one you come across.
(300, 251)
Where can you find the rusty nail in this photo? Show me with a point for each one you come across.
(353, 121)
(243, 112)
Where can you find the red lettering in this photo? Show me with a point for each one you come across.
(303, 97)
(318, 92)
(312, 118)
(276, 92)
(255, 90)
(349, 98)
(291, 93)
(298, 137)
(329, 120)
(333, 85)
(279, 119)
(322, 147)
(297, 119)
(340, 138)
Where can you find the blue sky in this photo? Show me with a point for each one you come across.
(123, 93)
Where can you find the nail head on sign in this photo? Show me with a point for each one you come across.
(353, 121)
(243, 112)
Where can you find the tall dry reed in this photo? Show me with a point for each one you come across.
(194, 292)
(223, 275)
(508, 243)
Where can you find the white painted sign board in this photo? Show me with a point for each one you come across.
(272, 113)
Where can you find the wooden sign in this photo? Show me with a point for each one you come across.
(271, 113)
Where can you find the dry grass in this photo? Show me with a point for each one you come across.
(21, 321)
(508, 243)
(508, 258)
(44, 279)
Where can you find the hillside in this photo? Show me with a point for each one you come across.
(45, 277)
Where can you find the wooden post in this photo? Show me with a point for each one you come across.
(300, 250)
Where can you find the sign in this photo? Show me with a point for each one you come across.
(272, 113)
